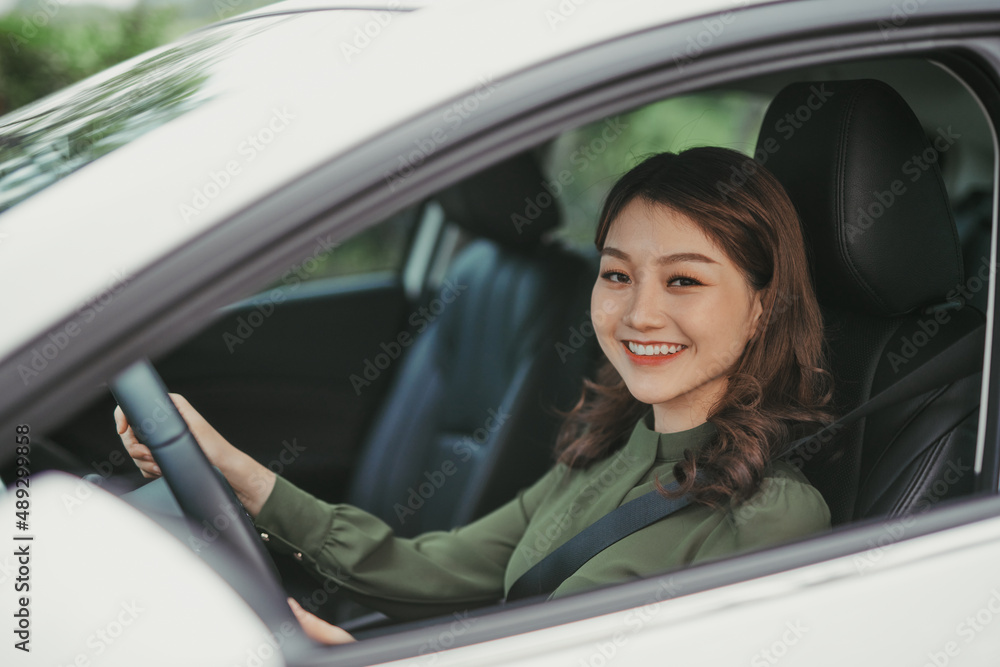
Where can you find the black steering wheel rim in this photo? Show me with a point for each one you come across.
(203, 495)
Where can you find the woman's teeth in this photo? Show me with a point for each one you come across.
(654, 350)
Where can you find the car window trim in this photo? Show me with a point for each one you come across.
(984, 87)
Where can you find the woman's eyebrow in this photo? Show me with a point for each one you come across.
(675, 258)
(615, 252)
(679, 257)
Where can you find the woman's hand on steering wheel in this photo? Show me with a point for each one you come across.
(212, 443)
(251, 481)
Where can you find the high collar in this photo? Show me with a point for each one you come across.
(668, 447)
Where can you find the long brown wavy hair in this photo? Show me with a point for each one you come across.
(779, 385)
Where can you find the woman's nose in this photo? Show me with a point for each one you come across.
(644, 310)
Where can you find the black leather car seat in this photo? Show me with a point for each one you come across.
(469, 419)
(887, 267)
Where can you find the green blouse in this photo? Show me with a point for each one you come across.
(444, 571)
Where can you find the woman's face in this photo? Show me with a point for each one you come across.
(671, 311)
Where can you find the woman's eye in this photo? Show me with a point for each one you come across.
(615, 276)
(682, 281)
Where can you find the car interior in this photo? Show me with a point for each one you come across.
(419, 369)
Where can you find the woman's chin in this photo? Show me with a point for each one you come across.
(651, 395)
(652, 392)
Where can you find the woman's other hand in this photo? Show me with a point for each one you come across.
(216, 448)
(251, 481)
(318, 629)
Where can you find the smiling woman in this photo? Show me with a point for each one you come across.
(685, 311)
(690, 310)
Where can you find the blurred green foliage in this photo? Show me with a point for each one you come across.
(46, 45)
(382, 247)
(48, 49)
(591, 158)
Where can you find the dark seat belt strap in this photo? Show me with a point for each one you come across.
(546, 575)
(959, 360)
(962, 358)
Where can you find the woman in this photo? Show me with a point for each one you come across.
(713, 338)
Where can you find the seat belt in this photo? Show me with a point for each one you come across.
(961, 359)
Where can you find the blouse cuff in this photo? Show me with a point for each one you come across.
(293, 521)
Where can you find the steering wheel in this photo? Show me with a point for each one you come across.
(204, 496)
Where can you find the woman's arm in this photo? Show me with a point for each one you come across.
(346, 547)
(436, 573)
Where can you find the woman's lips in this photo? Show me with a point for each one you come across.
(651, 359)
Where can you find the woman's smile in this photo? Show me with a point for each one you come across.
(647, 353)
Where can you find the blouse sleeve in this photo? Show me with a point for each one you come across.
(429, 575)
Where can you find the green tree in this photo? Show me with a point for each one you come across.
(46, 50)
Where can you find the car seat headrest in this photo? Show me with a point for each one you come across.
(864, 178)
(508, 202)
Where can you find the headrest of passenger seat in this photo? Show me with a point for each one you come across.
(510, 202)
(864, 178)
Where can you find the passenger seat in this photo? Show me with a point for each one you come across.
(469, 419)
